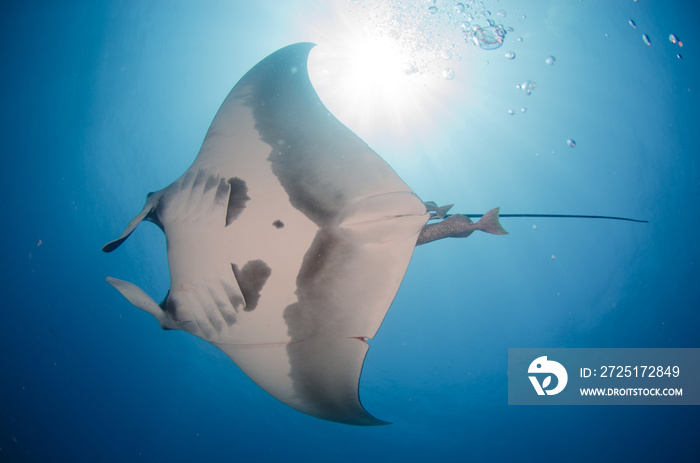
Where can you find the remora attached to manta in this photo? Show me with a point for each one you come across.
(287, 240)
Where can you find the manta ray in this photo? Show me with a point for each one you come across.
(287, 240)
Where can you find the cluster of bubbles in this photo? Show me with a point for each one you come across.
(647, 41)
(674, 40)
(484, 29)
(645, 38)
(479, 26)
(476, 24)
(469, 13)
(528, 86)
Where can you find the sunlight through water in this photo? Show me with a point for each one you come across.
(396, 67)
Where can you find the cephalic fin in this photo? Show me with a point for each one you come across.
(139, 298)
(148, 208)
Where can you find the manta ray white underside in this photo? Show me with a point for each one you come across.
(287, 240)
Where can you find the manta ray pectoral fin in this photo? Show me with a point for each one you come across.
(317, 376)
(139, 298)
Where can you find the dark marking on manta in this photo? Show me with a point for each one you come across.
(323, 260)
(222, 190)
(212, 181)
(168, 305)
(187, 181)
(199, 179)
(237, 197)
(226, 310)
(251, 279)
(234, 297)
(278, 224)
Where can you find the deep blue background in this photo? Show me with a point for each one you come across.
(105, 101)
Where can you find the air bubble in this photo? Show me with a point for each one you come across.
(646, 39)
(448, 73)
(571, 142)
(523, 110)
(487, 38)
(501, 14)
(511, 112)
(551, 60)
(674, 40)
(510, 55)
(459, 8)
(633, 24)
(528, 86)
(433, 10)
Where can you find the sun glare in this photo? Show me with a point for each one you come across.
(375, 68)
(369, 81)
(377, 77)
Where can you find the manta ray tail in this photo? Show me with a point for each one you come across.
(489, 223)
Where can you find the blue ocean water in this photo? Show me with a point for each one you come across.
(106, 101)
